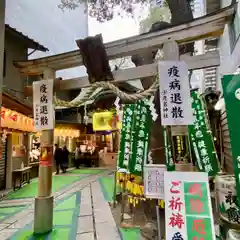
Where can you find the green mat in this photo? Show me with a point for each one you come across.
(64, 220)
(30, 190)
(107, 185)
(6, 212)
(130, 233)
(86, 171)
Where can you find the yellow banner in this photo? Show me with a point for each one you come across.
(105, 121)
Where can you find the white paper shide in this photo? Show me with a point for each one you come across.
(43, 109)
(174, 93)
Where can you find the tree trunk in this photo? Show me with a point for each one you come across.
(181, 12)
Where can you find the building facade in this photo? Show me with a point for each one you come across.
(229, 48)
(15, 121)
(198, 8)
(54, 28)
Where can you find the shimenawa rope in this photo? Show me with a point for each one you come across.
(108, 86)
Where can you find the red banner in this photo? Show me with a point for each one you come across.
(46, 158)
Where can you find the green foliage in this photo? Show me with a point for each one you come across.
(104, 10)
(155, 14)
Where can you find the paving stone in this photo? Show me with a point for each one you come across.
(86, 236)
(85, 224)
(2, 226)
(5, 234)
(105, 231)
(85, 209)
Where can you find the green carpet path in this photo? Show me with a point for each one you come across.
(65, 221)
(107, 185)
(30, 190)
(86, 171)
(6, 212)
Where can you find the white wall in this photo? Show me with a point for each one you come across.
(230, 58)
(47, 24)
(198, 75)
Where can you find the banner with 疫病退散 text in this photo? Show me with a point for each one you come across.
(201, 138)
(174, 90)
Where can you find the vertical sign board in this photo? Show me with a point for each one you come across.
(126, 136)
(154, 181)
(188, 209)
(231, 93)
(201, 138)
(174, 93)
(44, 115)
(140, 143)
(43, 109)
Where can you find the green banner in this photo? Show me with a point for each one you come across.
(201, 137)
(168, 151)
(126, 136)
(140, 137)
(231, 92)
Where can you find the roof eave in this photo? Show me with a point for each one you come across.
(29, 42)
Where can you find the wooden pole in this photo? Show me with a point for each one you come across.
(2, 46)
(43, 215)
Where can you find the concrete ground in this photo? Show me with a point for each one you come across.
(81, 209)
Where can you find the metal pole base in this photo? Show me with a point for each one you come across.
(43, 215)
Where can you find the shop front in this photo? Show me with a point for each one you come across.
(16, 128)
(106, 126)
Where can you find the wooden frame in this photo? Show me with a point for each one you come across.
(195, 62)
(206, 27)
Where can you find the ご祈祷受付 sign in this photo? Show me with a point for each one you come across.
(174, 93)
(43, 109)
(188, 209)
(154, 181)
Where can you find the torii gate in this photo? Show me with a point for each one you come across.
(206, 27)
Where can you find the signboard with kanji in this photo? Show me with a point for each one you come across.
(126, 136)
(188, 209)
(174, 93)
(43, 109)
(154, 181)
(201, 138)
(142, 123)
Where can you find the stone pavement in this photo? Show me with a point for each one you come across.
(80, 212)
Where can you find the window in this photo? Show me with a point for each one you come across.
(4, 63)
